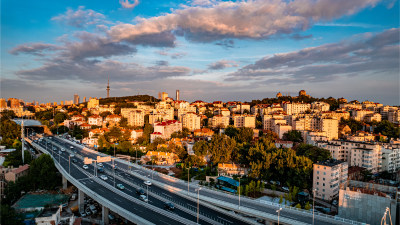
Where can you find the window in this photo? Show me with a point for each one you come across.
(317, 172)
(317, 183)
(323, 184)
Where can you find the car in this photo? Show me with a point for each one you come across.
(85, 167)
(334, 202)
(72, 155)
(63, 150)
(286, 189)
(100, 164)
(121, 186)
(143, 198)
(87, 211)
(101, 170)
(111, 217)
(93, 209)
(140, 191)
(83, 214)
(147, 182)
(74, 160)
(104, 177)
(169, 205)
(71, 147)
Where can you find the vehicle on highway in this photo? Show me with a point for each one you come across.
(121, 186)
(101, 170)
(62, 149)
(143, 198)
(87, 211)
(71, 147)
(140, 191)
(85, 167)
(104, 177)
(72, 155)
(74, 160)
(169, 206)
(83, 214)
(100, 164)
(147, 182)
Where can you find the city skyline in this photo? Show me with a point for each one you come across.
(209, 50)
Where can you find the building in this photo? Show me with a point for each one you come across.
(164, 96)
(76, 99)
(165, 129)
(191, 121)
(390, 159)
(159, 115)
(16, 173)
(295, 108)
(93, 103)
(244, 121)
(113, 120)
(320, 106)
(327, 177)
(367, 202)
(136, 118)
(230, 169)
(203, 132)
(13, 103)
(3, 103)
(95, 120)
(281, 129)
(49, 216)
(177, 95)
(160, 158)
(218, 121)
(331, 127)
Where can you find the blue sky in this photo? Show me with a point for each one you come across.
(208, 49)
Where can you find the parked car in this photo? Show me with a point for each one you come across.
(140, 191)
(85, 167)
(74, 160)
(83, 214)
(169, 205)
(111, 216)
(143, 198)
(104, 177)
(87, 211)
(120, 186)
(93, 209)
(147, 182)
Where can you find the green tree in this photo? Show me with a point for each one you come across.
(314, 153)
(60, 117)
(43, 173)
(293, 135)
(221, 148)
(280, 199)
(388, 129)
(9, 131)
(201, 148)
(298, 206)
(9, 216)
(352, 123)
(307, 206)
(105, 114)
(123, 122)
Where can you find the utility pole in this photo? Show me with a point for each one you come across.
(22, 140)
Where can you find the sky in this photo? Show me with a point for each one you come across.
(208, 49)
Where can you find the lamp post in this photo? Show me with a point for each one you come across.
(114, 170)
(188, 179)
(278, 211)
(239, 192)
(69, 164)
(198, 208)
(148, 191)
(314, 190)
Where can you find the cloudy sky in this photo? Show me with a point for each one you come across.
(208, 49)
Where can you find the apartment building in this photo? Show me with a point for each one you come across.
(165, 129)
(390, 159)
(281, 129)
(244, 121)
(93, 103)
(113, 120)
(327, 178)
(330, 126)
(295, 108)
(320, 106)
(16, 173)
(136, 118)
(191, 121)
(218, 121)
(158, 115)
(95, 120)
(394, 116)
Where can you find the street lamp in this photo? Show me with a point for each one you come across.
(148, 190)
(69, 162)
(198, 208)
(278, 211)
(188, 179)
(239, 192)
(314, 190)
(114, 170)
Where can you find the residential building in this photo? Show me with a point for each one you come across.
(295, 108)
(327, 176)
(3, 103)
(367, 202)
(373, 117)
(49, 216)
(244, 121)
(113, 120)
(320, 106)
(390, 159)
(330, 126)
(360, 115)
(136, 118)
(283, 144)
(16, 173)
(135, 134)
(218, 121)
(165, 129)
(95, 120)
(203, 132)
(160, 158)
(191, 121)
(281, 128)
(159, 115)
(93, 103)
(76, 99)
(394, 116)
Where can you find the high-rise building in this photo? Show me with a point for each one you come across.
(13, 103)
(327, 178)
(62, 103)
(108, 87)
(84, 99)
(164, 96)
(177, 95)
(3, 103)
(93, 103)
(76, 99)
(191, 121)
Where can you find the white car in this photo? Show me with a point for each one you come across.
(100, 164)
(72, 155)
(63, 150)
(104, 177)
(147, 182)
(85, 167)
(143, 198)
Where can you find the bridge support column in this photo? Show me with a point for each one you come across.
(104, 215)
(64, 182)
(81, 200)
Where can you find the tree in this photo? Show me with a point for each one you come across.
(314, 153)
(352, 123)
(9, 131)
(114, 135)
(307, 206)
(43, 173)
(221, 148)
(105, 114)
(293, 135)
(388, 129)
(298, 206)
(8, 114)
(231, 131)
(280, 199)
(9, 216)
(123, 122)
(60, 117)
(200, 148)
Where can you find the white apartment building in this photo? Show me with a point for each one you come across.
(320, 106)
(280, 129)
(295, 108)
(95, 120)
(189, 109)
(191, 121)
(165, 129)
(218, 120)
(390, 159)
(360, 115)
(244, 121)
(327, 178)
(158, 115)
(222, 112)
(269, 121)
(394, 116)
(136, 118)
(331, 127)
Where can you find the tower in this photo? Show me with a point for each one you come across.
(76, 99)
(108, 87)
(177, 95)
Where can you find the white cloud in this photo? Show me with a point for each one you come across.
(127, 4)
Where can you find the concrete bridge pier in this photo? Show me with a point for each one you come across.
(104, 215)
(81, 200)
(64, 182)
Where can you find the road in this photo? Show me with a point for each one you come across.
(157, 196)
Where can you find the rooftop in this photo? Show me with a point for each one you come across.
(330, 162)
